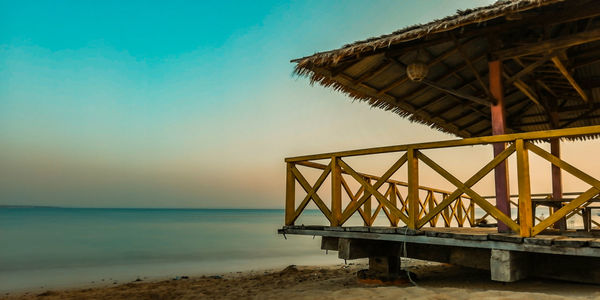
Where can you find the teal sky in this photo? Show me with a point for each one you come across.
(180, 103)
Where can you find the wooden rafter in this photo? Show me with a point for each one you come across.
(563, 70)
(528, 69)
(549, 45)
(374, 71)
(467, 60)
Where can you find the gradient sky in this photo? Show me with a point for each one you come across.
(185, 103)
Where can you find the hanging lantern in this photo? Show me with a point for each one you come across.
(417, 71)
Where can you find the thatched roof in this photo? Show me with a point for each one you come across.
(456, 49)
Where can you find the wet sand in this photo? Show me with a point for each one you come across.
(435, 281)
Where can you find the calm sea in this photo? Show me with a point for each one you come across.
(44, 248)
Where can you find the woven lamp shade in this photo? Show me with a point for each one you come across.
(417, 71)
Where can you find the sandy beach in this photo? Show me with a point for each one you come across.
(435, 281)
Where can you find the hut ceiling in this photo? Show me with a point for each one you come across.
(550, 51)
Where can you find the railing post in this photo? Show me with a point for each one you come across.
(336, 192)
(367, 206)
(525, 208)
(413, 187)
(290, 195)
(459, 211)
(394, 201)
(472, 213)
(430, 206)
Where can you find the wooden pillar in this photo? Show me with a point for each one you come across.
(557, 192)
(393, 199)
(499, 127)
(290, 195)
(336, 192)
(525, 208)
(367, 206)
(413, 188)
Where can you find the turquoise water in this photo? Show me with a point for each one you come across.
(52, 247)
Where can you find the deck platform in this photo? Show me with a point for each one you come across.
(571, 255)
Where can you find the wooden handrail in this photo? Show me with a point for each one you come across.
(535, 135)
(319, 166)
(458, 205)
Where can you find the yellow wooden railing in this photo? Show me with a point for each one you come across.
(458, 205)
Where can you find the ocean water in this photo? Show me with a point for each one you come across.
(42, 248)
(45, 248)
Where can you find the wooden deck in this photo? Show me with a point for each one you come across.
(575, 243)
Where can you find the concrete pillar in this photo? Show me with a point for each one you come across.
(384, 265)
(509, 266)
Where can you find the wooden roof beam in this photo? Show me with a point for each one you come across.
(530, 68)
(458, 94)
(465, 57)
(549, 45)
(561, 67)
(527, 91)
(374, 72)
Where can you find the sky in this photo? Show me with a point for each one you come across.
(187, 103)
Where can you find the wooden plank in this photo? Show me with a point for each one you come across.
(594, 243)
(433, 241)
(413, 188)
(496, 213)
(336, 193)
(542, 240)
(356, 228)
(563, 70)
(549, 45)
(506, 237)
(469, 183)
(525, 208)
(572, 242)
(384, 230)
(503, 138)
(290, 195)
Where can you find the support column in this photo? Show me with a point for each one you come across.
(557, 192)
(499, 127)
(336, 192)
(290, 195)
(384, 265)
(509, 266)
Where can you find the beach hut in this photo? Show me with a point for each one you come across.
(510, 74)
